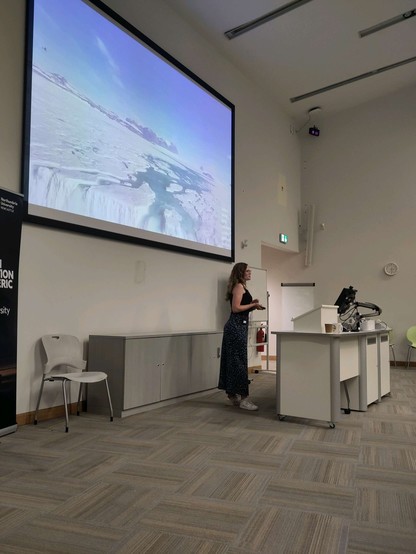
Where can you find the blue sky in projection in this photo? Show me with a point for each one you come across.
(111, 67)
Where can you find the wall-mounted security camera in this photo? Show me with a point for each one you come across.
(314, 131)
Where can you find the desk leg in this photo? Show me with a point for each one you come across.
(335, 380)
(362, 348)
(379, 366)
(278, 373)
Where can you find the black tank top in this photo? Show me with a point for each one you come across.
(246, 299)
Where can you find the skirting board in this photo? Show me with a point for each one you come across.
(254, 368)
(59, 411)
(48, 413)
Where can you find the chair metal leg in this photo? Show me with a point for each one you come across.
(79, 398)
(394, 355)
(35, 422)
(347, 396)
(64, 382)
(109, 400)
(409, 355)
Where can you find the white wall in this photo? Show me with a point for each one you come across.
(83, 285)
(361, 175)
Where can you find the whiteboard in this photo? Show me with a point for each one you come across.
(258, 289)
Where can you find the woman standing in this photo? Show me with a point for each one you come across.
(234, 363)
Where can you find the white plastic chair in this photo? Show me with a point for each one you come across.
(65, 363)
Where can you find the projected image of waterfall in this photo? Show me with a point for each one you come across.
(120, 140)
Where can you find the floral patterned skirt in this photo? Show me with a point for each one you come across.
(234, 363)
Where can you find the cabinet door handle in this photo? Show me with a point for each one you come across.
(219, 352)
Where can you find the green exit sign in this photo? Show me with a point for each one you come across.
(283, 238)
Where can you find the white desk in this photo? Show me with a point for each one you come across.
(314, 371)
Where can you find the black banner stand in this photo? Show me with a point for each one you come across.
(11, 215)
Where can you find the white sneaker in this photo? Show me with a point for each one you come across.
(247, 405)
(235, 400)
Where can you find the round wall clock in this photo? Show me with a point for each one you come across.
(391, 268)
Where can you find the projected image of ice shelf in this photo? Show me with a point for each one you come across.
(122, 140)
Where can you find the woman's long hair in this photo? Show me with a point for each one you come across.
(237, 276)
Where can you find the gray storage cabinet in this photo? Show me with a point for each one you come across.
(148, 369)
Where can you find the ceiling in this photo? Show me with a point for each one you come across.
(311, 47)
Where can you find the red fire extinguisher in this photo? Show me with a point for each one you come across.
(260, 337)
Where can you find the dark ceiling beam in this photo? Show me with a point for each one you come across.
(387, 23)
(237, 31)
(353, 79)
